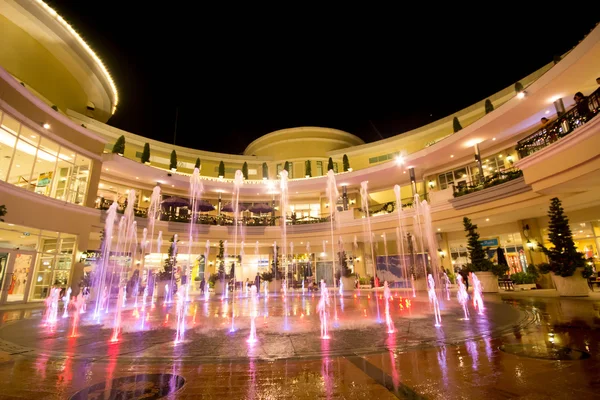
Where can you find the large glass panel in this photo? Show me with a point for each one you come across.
(3, 265)
(79, 180)
(319, 168)
(64, 169)
(7, 145)
(16, 290)
(22, 165)
(43, 172)
(10, 124)
(43, 276)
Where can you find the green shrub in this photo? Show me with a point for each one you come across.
(145, 154)
(173, 163)
(119, 147)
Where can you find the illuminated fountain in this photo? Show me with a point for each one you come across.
(387, 295)
(433, 300)
(364, 196)
(253, 313)
(462, 295)
(66, 298)
(323, 310)
(447, 284)
(51, 313)
(283, 204)
(181, 312)
(196, 190)
(78, 304)
(99, 286)
(117, 319)
(400, 235)
(477, 289)
(206, 286)
(238, 181)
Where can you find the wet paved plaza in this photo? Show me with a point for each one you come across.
(524, 347)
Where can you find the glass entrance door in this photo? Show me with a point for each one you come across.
(16, 275)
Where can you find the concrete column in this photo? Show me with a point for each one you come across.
(560, 107)
(345, 197)
(478, 159)
(413, 181)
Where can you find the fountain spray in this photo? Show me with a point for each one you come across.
(283, 203)
(364, 196)
(433, 300)
(400, 232)
(237, 183)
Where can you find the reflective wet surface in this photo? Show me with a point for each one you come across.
(530, 348)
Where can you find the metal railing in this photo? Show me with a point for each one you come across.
(564, 125)
(489, 181)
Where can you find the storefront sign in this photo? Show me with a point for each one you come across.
(489, 243)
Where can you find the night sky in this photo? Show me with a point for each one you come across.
(238, 73)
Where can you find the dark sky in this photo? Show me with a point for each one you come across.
(237, 73)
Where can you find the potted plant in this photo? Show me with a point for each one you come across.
(365, 282)
(456, 124)
(525, 280)
(345, 274)
(245, 170)
(173, 163)
(486, 271)
(145, 159)
(489, 107)
(568, 267)
(266, 277)
(198, 164)
(221, 169)
(346, 163)
(330, 165)
(166, 276)
(119, 147)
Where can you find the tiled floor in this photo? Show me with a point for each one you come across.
(552, 354)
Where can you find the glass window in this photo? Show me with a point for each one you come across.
(22, 165)
(319, 168)
(79, 180)
(7, 147)
(279, 168)
(291, 171)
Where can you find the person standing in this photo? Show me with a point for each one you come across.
(257, 282)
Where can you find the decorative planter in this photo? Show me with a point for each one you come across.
(489, 281)
(420, 284)
(348, 283)
(524, 286)
(220, 286)
(545, 281)
(147, 163)
(275, 286)
(571, 286)
(174, 169)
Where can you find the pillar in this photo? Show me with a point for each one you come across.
(345, 197)
(479, 165)
(560, 107)
(413, 181)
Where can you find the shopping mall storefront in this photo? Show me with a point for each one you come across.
(32, 261)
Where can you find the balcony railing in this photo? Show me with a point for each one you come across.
(564, 125)
(489, 181)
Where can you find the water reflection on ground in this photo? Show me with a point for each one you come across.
(553, 355)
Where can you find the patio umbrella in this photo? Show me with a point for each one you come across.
(204, 206)
(175, 202)
(261, 208)
(229, 207)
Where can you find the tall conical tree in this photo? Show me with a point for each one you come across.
(489, 107)
(307, 169)
(346, 163)
(479, 262)
(518, 87)
(119, 147)
(564, 257)
(456, 124)
(146, 154)
(245, 170)
(265, 171)
(198, 163)
(173, 163)
(221, 169)
(330, 164)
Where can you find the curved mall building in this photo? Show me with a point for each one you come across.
(493, 162)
